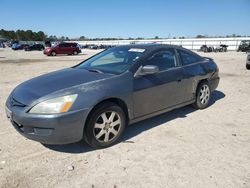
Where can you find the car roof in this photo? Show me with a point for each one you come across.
(151, 46)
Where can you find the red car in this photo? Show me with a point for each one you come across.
(63, 48)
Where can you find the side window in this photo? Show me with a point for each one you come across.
(187, 58)
(62, 45)
(164, 60)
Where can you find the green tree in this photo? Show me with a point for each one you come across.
(82, 38)
(200, 36)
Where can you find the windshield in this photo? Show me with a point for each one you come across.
(114, 60)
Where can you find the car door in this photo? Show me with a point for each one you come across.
(152, 93)
(62, 49)
(193, 72)
(68, 48)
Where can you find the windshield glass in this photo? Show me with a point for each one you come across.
(114, 60)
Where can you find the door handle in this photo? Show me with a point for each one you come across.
(179, 80)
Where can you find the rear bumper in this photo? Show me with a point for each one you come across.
(49, 129)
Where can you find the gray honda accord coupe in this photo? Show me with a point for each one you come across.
(96, 99)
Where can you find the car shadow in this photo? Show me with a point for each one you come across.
(137, 128)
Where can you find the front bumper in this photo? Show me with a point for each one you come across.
(46, 52)
(214, 83)
(48, 129)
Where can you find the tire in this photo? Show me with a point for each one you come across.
(75, 53)
(99, 131)
(247, 66)
(53, 53)
(203, 95)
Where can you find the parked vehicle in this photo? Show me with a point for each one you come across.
(244, 46)
(63, 48)
(248, 62)
(48, 44)
(17, 46)
(84, 46)
(93, 46)
(205, 48)
(102, 46)
(221, 48)
(39, 47)
(99, 97)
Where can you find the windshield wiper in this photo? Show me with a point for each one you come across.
(95, 70)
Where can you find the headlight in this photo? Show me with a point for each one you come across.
(54, 106)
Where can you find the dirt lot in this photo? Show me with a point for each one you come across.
(182, 148)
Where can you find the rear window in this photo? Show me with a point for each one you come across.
(188, 58)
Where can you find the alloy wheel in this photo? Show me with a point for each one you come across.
(107, 126)
(204, 94)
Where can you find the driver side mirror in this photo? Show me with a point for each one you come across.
(146, 70)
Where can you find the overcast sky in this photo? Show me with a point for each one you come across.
(127, 18)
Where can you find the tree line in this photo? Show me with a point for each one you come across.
(29, 35)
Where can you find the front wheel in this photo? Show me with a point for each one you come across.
(203, 95)
(105, 125)
(75, 53)
(53, 53)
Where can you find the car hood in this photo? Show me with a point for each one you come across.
(31, 90)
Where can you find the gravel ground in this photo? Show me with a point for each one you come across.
(183, 148)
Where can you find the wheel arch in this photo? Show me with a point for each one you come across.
(199, 82)
(53, 51)
(121, 103)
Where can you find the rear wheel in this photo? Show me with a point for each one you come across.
(203, 95)
(105, 125)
